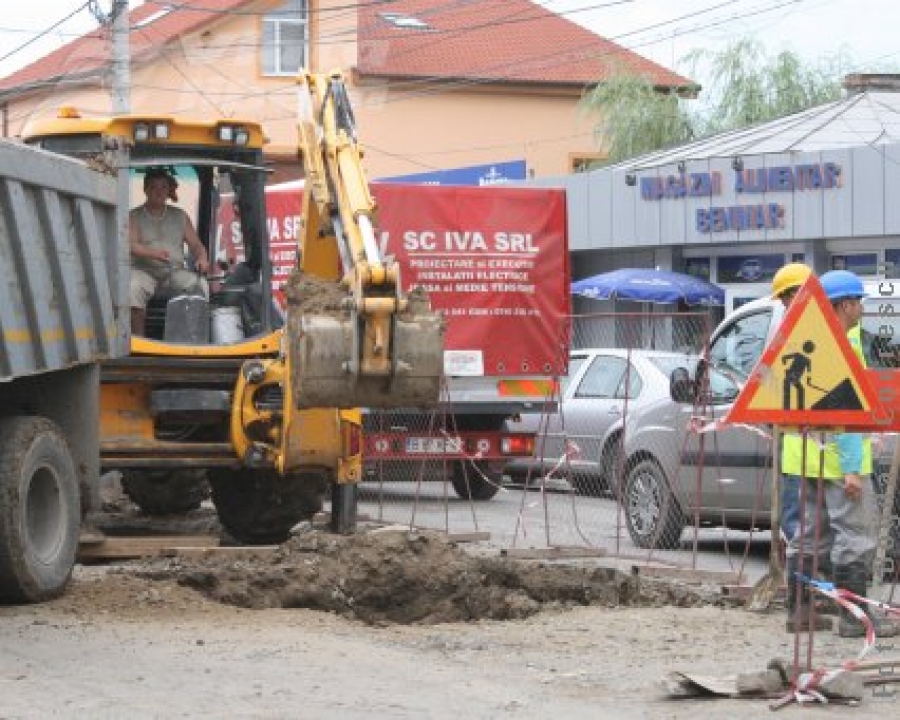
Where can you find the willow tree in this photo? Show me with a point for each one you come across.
(635, 116)
(743, 86)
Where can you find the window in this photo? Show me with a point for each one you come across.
(585, 162)
(284, 39)
(740, 344)
(697, 267)
(748, 268)
(859, 263)
(605, 378)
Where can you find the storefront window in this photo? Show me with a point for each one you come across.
(859, 263)
(892, 263)
(698, 267)
(748, 268)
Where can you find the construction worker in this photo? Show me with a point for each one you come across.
(158, 233)
(785, 284)
(844, 464)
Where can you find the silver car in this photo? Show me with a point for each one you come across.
(580, 444)
(674, 476)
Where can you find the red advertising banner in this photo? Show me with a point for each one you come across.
(494, 260)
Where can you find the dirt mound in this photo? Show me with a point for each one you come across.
(394, 576)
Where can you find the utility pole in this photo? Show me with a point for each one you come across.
(121, 105)
(121, 58)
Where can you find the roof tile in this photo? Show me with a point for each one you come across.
(513, 41)
(89, 53)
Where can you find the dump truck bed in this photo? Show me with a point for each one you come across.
(64, 261)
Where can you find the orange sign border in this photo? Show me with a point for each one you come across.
(810, 292)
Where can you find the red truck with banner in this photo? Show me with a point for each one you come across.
(495, 262)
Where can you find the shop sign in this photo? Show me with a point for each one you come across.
(755, 216)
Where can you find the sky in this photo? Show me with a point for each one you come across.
(865, 29)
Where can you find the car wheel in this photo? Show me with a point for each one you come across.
(652, 514)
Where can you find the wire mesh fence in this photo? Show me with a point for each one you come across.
(624, 465)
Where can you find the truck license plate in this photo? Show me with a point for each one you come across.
(432, 445)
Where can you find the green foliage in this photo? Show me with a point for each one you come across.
(635, 118)
(744, 87)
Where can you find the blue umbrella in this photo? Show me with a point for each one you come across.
(655, 286)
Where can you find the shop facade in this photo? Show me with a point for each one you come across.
(821, 187)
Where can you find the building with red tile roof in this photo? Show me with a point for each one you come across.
(436, 83)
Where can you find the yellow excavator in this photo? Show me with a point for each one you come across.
(266, 415)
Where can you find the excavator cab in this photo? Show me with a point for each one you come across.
(207, 162)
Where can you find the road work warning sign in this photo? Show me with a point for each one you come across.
(809, 375)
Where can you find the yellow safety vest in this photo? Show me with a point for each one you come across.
(792, 443)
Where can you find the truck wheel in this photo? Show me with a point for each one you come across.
(259, 507)
(475, 480)
(40, 510)
(164, 492)
(652, 514)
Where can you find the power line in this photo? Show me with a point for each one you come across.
(46, 32)
(437, 86)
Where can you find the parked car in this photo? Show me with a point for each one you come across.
(580, 443)
(674, 476)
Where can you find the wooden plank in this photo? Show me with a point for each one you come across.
(122, 548)
(325, 516)
(688, 574)
(469, 536)
(240, 552)
(552, 553)
(744, 591)
(646, 559)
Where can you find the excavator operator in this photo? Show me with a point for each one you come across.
(157, 233)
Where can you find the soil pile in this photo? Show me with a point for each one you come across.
(394, 576)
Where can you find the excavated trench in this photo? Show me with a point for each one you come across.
(391, 575)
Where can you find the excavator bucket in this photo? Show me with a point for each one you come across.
(328, 368)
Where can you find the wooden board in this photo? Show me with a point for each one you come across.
(129, 548)
(552, 553)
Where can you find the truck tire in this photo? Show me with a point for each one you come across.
(652, 514)
(475, 480)
(259, 507)
(164, 492)
(40, 510)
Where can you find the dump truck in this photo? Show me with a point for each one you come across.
(267, 414)
(495, 263)
(63, 249)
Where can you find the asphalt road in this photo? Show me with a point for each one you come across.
(520, 519)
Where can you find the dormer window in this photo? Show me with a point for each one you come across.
(405, 22)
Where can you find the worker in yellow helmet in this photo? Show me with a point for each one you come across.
(787, 281)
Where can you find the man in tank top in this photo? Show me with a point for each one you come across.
(158, 233)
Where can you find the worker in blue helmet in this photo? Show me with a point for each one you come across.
(844, 466)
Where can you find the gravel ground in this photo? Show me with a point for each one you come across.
(151, 640)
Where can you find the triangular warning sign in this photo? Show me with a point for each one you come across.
(809, 375)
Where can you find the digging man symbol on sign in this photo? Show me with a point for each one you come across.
(800, 365)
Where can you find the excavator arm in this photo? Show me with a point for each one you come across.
(355, 338)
